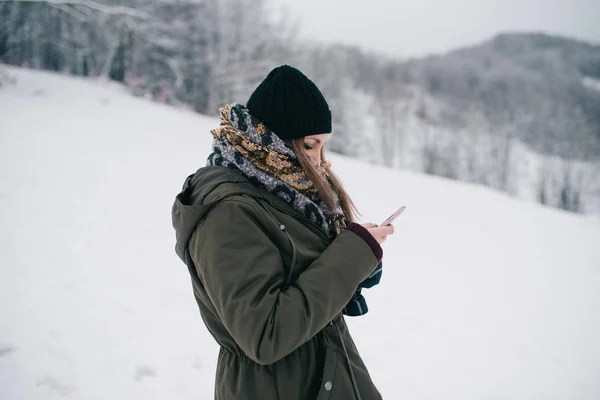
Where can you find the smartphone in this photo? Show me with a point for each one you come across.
(393, 216)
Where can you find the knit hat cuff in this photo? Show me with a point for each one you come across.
(299, 126)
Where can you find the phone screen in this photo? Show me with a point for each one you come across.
(393, 216)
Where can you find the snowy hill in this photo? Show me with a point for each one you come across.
(483, 296)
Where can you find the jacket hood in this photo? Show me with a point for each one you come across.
(200, 193)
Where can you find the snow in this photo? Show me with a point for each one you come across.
(591, 83)
(483, 296)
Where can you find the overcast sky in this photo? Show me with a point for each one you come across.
(418, 27)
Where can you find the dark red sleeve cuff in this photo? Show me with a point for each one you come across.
(367, 237)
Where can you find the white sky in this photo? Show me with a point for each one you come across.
(418, 27)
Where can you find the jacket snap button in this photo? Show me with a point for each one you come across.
(282, 227)
(328, 386)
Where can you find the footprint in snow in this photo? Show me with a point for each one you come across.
(142, 372)
(55, 385)
(5, 350)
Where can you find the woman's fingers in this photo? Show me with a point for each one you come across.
(384, 230)
(380, 233)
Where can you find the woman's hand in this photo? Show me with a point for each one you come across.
(380, 233)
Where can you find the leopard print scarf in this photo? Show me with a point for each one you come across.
(243, 143)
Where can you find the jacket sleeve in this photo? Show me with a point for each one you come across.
(242, 272)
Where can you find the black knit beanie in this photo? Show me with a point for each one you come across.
(290, 104)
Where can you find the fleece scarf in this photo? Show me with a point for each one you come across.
(243, 143)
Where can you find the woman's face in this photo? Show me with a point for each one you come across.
(313, 145)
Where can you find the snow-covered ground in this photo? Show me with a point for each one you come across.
(483, 296)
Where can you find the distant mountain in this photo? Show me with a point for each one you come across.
(531, 86)
(519, 112)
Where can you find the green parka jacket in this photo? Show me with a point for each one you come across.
(270, 287)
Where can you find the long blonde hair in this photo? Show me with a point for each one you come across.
(328, 185)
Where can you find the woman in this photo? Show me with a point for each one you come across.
(266, 234)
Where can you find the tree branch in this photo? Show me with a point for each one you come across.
(92, 5)
(68, 10)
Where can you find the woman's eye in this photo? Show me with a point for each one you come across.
(307, 147)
